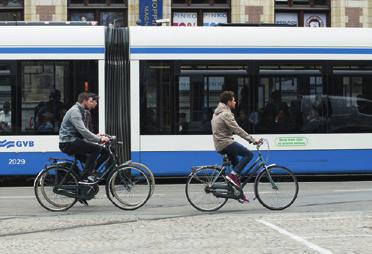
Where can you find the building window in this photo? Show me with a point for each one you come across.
(11, 10)
(105, 12)
(304, 13)
(200, 12)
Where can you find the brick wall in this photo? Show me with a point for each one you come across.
(45, 10)
(353, 15)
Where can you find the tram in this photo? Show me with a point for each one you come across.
(306, 90)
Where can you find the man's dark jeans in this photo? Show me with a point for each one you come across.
(84, 151)
(235, 150)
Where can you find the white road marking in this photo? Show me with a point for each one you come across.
(320, 218)
(354, 190)
(335, 236)
(296, 238)
(16, 197)
(99, 196)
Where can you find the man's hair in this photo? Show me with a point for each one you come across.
(226, 96)
(85, 96)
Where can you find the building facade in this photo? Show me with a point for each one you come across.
(334, 13)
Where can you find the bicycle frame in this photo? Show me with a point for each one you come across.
(253, 170)
(257, 166)
(112, 157)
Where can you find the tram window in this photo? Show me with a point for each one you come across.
(290, 95)
(43, 89)
(197, 99)
(156, 108)
(6, 124)
(197, 93)
(34, 95)
(273, 97)
(350, 99)
(182, 101)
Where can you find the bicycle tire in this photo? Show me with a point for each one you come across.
(288, 179)
(204, 185)
(55, 207)
(114, 198)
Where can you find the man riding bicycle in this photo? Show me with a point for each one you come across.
(224, 126)
(75, 139)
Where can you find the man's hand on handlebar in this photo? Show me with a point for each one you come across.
(104, 139)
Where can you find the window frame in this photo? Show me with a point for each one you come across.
(97, 9)
(302, 9)
(19, 9)
(201, 8)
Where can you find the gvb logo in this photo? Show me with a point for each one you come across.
(9, 143)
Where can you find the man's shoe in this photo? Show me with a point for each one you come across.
(233, 179)
(92, 178)
(84, 202)
(89, 180)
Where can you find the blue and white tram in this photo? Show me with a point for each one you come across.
(308, 91)
(42, 69)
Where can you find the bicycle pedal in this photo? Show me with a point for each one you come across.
(84, 202)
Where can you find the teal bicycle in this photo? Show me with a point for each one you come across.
(275, 187)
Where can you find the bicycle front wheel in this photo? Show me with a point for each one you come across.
(200, 190)
(128, 187)
(276, 188)
(56, 188)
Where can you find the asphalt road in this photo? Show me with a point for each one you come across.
(327, 217)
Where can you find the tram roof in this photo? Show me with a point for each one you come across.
(249, 43)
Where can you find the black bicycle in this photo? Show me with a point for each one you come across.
(128, 186)
(275, 187)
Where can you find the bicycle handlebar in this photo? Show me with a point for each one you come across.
(113, 138)
(260, 143)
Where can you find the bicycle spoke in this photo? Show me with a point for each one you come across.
(130, 187)
(51, 181)
(276, 188)
(197, 189)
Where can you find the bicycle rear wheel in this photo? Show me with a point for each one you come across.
(276, 188)
(128, 187)
(48, 185)
(199, 190)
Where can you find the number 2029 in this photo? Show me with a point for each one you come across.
(17, 162)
